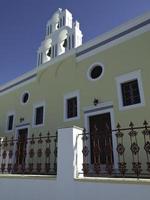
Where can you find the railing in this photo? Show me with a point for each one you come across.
(124, 152)
(34, 155)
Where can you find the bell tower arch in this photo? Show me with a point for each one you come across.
(62, 35)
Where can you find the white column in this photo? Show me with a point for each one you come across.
(70, 158)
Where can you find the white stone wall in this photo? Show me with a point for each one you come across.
(66, 186)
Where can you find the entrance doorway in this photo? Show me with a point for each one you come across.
(21, 147)
(101, 139)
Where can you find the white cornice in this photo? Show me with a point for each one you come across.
(31, 75)
(82, 51)
(19, 81)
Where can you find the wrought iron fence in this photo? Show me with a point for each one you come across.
(34, 155)
(124, 152)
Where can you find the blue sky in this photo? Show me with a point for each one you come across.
(22, 26)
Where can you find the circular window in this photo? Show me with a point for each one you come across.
(95, 72)
(25, 97)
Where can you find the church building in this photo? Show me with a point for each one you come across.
(95, 85)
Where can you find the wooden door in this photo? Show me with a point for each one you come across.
(101, 139)
(21, 147)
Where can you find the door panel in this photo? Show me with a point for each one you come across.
(21, 146)
(101, 139)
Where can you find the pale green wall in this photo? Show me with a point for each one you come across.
(69, 75)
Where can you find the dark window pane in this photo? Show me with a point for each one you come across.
(130, 93)
(10, 122)
(25, 98)
(39, 115)
(72, 107)
(96, 72)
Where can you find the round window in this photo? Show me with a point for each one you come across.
(95, 72)
(25, 97)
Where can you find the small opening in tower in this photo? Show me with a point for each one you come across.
(65, 43)
(49, 52)
(57, 25)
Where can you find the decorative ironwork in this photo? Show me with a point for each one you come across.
(148, 166)
(119, 134)
(120, 149)
(9, 167)
(40, 141)
(137, 168)
(12, 141)
(85, 151)
(134, 148)
(109, 168)
(128, 150)
(33, 155)
(5, 143)
(47, 167)
(122, 167)
(147, 147)
(132, 133)
(39, 167)
(47, 152)
(4, 154)
(48, 140)
(10, 154)
(32, 140)
(55, 152)
(97, 168)
(146, 131)
(30, 167)
(15, 168)
(3, 167)
(39, 153)
(85, 168)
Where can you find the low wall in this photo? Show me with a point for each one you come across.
(66, 186)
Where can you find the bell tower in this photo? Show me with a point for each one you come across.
(62, 34)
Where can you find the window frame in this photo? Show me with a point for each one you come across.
(66, 98)
(90, 70)
(7, 122)
(135, 75)
(42, 104)
(22, 96)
